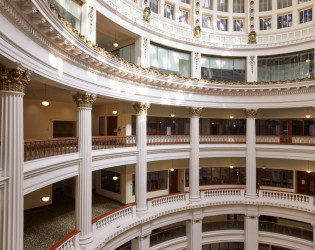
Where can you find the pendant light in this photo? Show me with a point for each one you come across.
(115, 43)
(308, 168)
(45, 103)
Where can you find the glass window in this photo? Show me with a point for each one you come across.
(207, 4)
(216, 174)
(223, 69)
(225, 175)
(234, 174)
(238, 24)
(284, 3)
(286, 67)
(205, 176)
(265, 5)
(156, 180)
(70, 10)
(284, 21)
(110, 181)
(185, 1)
(154, 6)
(169, 11)
(170, 61)
(238, 6)
(183, 16)
(287, 178)
(265, 177)
(304, 1)
(276, 178)
(242, 176)
(265, 23)
(206, 22)
(297, 127)
(306, 16)
(222, 24)
(127, 53)
(309, 127)
(222, 5)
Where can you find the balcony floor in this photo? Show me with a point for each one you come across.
(45, 226)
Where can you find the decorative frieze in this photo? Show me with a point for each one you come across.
(14, 79)
(250, 113)
(194, 111)
(84, 100)
(141, 108)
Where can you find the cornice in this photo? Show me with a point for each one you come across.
(43, 26)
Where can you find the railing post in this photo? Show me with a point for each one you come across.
(194, 154)
(84, 180)
(141, 163)
(12, 89)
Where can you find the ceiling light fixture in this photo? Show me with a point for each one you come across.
(45, 198)
(45, 102)
(115, 178)
(115, 43)
(231, 165)
(115, 112)
(308, 168)
(231, 117)
(308, 116)
(308, 60)
(172, 169)
(172, 115)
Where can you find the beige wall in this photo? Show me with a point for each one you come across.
(38, 119)
(34, 199)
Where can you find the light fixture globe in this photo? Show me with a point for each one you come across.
(45, 198)
(45, 103)
(115, 44)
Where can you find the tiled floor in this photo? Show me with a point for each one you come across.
(43, 227)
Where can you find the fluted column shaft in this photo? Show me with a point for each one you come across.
(84, 179)
(194, 154)
(141, 163)
(12, 88)
(251, 191)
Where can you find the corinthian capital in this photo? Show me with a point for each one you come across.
(84, 100)
(14, 79)
(194, 111)
(141, 108)
(250, 113)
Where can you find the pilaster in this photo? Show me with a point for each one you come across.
(84, 180)
(142, 52)
(88, 21)
(194, 194)
(196, 64)
(12, 88)
(251, 191)
(252, 65)
(141, 162)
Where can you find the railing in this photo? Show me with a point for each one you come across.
(221, 193)
(222, 225)
(69, 242)
(167, 139)
(167, 234)
(103, 142)
(36, 149)
(294, 231)
(287, 197)
(267, 139)
(113, 216)
(303, 140)
(167, 200)
(222, 139)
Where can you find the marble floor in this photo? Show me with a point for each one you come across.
(43, 227)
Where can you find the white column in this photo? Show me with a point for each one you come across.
(88, 21)
(12, 90)
(313, 237)
(251, 191)
(142, 52)
(84, 180)
(251, 232)
(141, 243)
(251, 69)
(195, 64)
(141, 163)
(194, 231)
(194, 194)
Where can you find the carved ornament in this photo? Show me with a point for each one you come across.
(194, 111)
(84, 100)
(14, 79)
(141, 108)
(250, 113)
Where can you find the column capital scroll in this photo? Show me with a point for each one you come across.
(194, 111)
(250, 113)
(14, 79)
(84, 100)
(141, 108)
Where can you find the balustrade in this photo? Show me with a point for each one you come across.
(222, 139)
(35, 149)
(69, 242)
(167, 199)
(103, 142)
(167, 139)
(287, 197)
(222, 193)
(267, 139)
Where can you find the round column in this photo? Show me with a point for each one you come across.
(141, 163)
(84, 180)
(12, 88)
(251, 191)
(194, 154)
(251, 232)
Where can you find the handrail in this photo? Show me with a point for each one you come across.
(66, 242)
(103, 142)
(167, 139)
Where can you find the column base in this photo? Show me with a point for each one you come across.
(141, 211)
(194, 198)
(85, 240)
(251, 196)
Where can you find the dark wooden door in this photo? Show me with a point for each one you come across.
(302, 182)
(111, 125)
(101, 127)
(285, 131)
(173, 181)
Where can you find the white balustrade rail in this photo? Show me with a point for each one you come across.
(167, 139)
(223, 193)
(168, 200)
(267, 139)
(69, 242)
(124, 213)
(303, 139)
(279, 197)
(222, 138)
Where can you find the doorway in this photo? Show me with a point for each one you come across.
(111, 125)
(286, 131)
(173, 181)
(101, 126)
